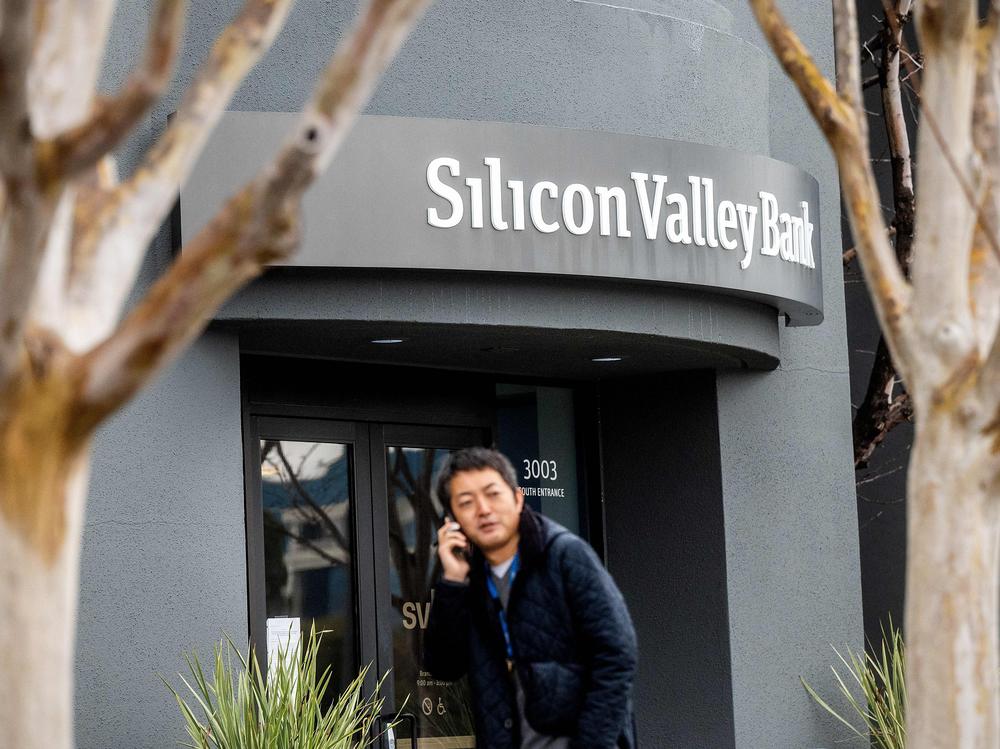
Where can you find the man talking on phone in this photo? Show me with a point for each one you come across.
(527, 611)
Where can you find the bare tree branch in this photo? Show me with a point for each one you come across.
(985, 270)
(238, 48)
(66, 62)
(74, 134)
(870, 46)
(82, 199)
(872, 422)
(904, 204)
(879, 412)
(848, 60)
(840, 123)
(24, 230)
(23, 219)
(107, 256)
(851, 253)
(16, 34)
(834, 117)
(881, 475)
(113, 118)
(256, 226)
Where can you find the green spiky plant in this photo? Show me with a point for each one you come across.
(239, 707)
(880, 680)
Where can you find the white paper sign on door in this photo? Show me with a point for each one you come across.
(283, 636)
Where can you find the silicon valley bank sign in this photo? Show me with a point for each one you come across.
(694, 218)
(501, 197)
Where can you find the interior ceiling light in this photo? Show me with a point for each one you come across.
(606, 358)
(383, 341)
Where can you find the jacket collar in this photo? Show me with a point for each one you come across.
(534, 536)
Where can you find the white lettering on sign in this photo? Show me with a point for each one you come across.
(540, 469)
(416, 614)
(544, 491)
(694, 216)
(453, 196)
(604, 197)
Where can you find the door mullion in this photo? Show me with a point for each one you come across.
(382, 587)
(365, 600)
(254, 522)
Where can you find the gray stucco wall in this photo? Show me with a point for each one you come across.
(696, 71)
(788, 480)
(164, 555)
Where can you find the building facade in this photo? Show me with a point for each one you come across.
(651, 391)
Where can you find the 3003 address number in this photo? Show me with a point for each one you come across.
(540, 469)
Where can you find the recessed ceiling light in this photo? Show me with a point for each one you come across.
(606, 358)
(383, 341)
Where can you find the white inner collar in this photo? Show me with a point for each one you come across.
(499, 570)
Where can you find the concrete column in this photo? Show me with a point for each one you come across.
(793, 568)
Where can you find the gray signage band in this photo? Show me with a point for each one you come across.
(491, 196)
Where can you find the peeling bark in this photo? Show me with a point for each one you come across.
(952, 668)
(38, 596)
(43, 484)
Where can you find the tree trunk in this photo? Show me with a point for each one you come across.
(951, 586)
(43, 487)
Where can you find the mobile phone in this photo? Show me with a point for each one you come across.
(462, 552)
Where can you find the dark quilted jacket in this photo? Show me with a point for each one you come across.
(574, 645)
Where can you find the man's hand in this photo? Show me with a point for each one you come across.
(451, 545)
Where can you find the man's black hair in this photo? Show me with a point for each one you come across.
(473, 459)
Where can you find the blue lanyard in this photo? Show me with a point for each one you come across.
(495, 595)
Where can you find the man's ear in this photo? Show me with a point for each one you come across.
(519, 499)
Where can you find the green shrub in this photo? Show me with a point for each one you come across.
(880, 680)
(239, 707)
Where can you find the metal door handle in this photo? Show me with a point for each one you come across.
(405, 718)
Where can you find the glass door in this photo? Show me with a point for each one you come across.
(307, 508)
(405, 460)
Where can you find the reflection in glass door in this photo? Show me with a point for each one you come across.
(412, 457)
(308, 548)
(308, 504)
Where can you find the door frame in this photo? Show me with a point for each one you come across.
(357, 435)
(384, 436)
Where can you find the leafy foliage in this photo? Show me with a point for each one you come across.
(239, 707)
(880, 680)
